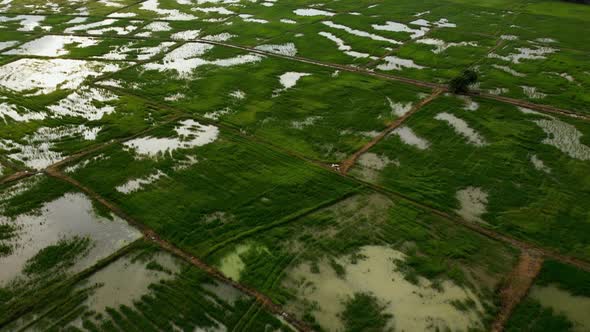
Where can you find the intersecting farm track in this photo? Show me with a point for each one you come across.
(516, 284)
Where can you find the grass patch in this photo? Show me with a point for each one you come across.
(59, 256)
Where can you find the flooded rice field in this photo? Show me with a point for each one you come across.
(39, 150)
(36, 76)
(126, 280)
(575, 308)
(190, 134)
(462, 128)
(71, 215)
(316, 155)
(413, 307)
(473, 201)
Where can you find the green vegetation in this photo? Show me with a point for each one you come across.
(531, 316)
(59, 256)
(536, 202)
(222, 126)
(364, 313)
(461, 83)
(7, 232)
(567, 277)
(186, 298)
(553, 313)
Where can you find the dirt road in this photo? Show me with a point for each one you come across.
(517, 286)
(350, 161)
(151, 235)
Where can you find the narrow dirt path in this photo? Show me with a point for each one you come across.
(16, 176)
(151, 235)
(349, 68)
(517, 286)
(350, 161)
(423, 84)
(533, 106)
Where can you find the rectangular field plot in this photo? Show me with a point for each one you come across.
(370, 255)
(210, 186)
(437, 57)
(510, 169)
(50, 231)
(24, 23)
(538, 71)
(302, 165)
(39, 131)
(321, 112)
(42, 7)
(91, 48)
(141, 287)
(559, 300)
(100, 26)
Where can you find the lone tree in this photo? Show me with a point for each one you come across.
(461, 83)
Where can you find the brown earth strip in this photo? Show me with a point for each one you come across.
(359, 70)
(16, 177)
(152, 236)
(350, 161)
(517, 286)
(533, 106)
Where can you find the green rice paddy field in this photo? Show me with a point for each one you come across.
(274, 165)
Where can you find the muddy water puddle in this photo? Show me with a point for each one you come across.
(126, 280)
(68, 216)
(462, 128)
(43, 76)
(575, 308)
(52, 45)
(415, 307)
(473, 203)
(409, 137)
(565, 137)
(371, 164)
(190, 134)
(187, 58)
(232, 264)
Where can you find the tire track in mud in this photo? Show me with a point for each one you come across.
(517, 286)
(152, 236)
(350, 161)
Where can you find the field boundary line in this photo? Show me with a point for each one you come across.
(151, 236)
(287, 219)
(523, 245)
(527, 104)
(490, 233)
(99, 265)
(350, 161)
(517, 286)
(344, 67)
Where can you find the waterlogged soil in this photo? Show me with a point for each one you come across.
(473, 202)
(68, 216)
(126, 280)
(232, 264)
(371, 165)
(414, 307)
(225, 292)
(575, 308)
